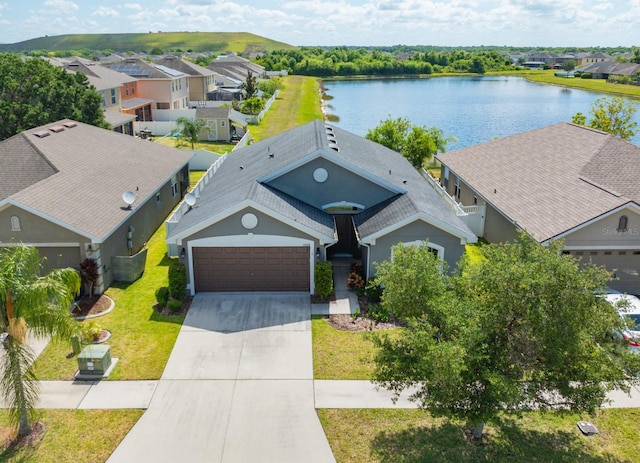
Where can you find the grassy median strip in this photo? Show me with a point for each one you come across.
(297, 104)
(87, 436)
(413, 436)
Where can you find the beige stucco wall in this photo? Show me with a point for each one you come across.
(604, 232)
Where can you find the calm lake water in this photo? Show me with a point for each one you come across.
(471, 109)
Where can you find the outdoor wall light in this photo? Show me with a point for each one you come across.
(183, 253)
(317, 253)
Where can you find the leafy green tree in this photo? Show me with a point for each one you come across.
(190, 129)
(39, 303)
(635, 58)
(250, 86)
(270, 86)
(612, 115)
(252, 105)
(33, 92)
(568, 66)
(522, 329)
(417, 144)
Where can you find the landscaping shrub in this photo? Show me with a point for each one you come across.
(89, 273)
(162, 296)
(90, 332)
(355, 281)
(323, 279)
(177, 280)
(379, 313)
(355, 267)
(373, 292)
(585, 75)
(174, 305)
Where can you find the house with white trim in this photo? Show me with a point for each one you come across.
(261, 218)
(564, 181)
(61, 190)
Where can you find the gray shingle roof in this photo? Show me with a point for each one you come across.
(184, 66)
(552, 179)
(77, 176)
(237, 181)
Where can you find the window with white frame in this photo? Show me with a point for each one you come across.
(15, 223)
(113, 96)
(435, 249)
(174, 186)
(457, 189)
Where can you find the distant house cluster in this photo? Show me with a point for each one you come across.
(136, 90)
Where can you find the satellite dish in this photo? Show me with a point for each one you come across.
(190, 199)
(128, 197)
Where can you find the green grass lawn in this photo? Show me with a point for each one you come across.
(297, 103)
(413, 436)
(595, 85)
(87, 436)
(141, 338)
(340, 354)
(218, 147)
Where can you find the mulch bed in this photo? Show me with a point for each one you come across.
(30, 440)
(183, 311)
(91, 305)
(346, 322)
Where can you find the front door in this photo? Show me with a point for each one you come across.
(346, 236)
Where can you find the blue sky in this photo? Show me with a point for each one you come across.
(550, 23)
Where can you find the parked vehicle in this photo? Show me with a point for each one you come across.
(628, 307)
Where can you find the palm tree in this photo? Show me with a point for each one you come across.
(190, 129)
(40, 303)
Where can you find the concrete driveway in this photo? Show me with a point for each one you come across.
(238, 387)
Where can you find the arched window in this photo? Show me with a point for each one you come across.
(15, 223)
(622, 223)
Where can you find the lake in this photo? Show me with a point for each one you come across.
(471, 109)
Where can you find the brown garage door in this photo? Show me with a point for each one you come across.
(624, 263)
(251, 269)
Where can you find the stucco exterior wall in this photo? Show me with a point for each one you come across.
(604, 232)
(341, 185)
(418, 230)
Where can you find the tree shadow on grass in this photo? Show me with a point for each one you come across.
(450, 443)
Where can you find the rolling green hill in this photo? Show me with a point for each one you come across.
(237, 42)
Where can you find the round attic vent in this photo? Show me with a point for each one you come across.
(249, 221)
(320, 175)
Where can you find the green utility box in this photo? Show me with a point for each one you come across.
(95, 359)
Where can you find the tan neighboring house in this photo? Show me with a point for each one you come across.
(236, 67)
(202, 81)
(61, 190)
(563, 181)
(157, 87)
(222, 124)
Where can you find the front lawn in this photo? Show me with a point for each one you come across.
(413, 436)
(88, 436)
(218, 147)
(340, 354)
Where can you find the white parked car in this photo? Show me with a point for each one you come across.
(628, 307)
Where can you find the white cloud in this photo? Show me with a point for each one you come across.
(133, 6)
(105, 12)
(60, 6)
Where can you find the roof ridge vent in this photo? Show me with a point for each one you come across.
(70, 124)
(57, 129)
(42, 134)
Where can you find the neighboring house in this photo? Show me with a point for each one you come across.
(563, 181)
(589, 58)
(61, 190)
(606, 69)
(274, 208)
(236, 67)
(156, 87)
(202, 81)
(223, 124)
(227, 89)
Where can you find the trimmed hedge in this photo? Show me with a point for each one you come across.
(177, 280)
(162, 296)
(323, 279)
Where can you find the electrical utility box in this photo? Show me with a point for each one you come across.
(95, 359)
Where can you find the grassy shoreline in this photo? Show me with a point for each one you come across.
(540, 77)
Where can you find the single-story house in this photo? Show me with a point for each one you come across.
(222, 124)
(62, 189)
(564, 181)
(272, 209)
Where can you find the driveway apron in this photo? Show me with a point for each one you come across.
(237, 388)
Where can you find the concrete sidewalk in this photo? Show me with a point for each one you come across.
(327, 394)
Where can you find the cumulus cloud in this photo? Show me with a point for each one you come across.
(133, 6)
(105, 12)
(60, 6)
